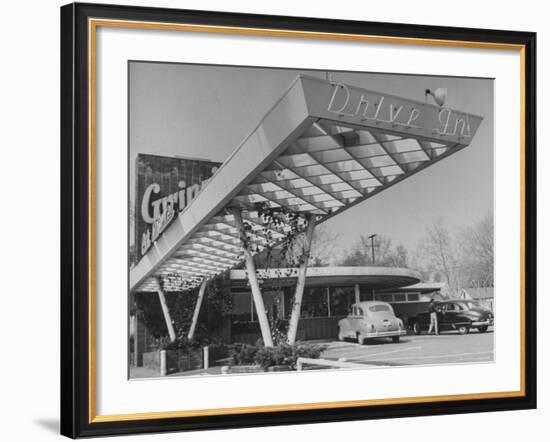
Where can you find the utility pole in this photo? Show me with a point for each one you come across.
(371, 237)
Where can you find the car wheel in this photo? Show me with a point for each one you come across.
(395, 339)
(483, 329)
(416, 328)
(361, 340)
(341, 336)
(463, 329)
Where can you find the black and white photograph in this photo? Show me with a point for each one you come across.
(286, 220)
(274, 221)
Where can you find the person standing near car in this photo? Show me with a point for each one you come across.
(433, 317)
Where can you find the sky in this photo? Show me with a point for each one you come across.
(205, 111)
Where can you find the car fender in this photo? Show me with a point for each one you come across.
(344, 325)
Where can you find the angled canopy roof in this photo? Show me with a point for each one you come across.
(323, 147)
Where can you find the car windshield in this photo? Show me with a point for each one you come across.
(379, 308)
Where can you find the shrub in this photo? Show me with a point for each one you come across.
(243, 354)
(285, 354)
(312, 351)
(181, 343)
(160, 343)
(268, 356)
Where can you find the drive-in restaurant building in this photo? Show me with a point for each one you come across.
(322, 148)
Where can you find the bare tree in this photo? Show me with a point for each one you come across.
(465, 259)
(385, 253)
(478, 252)
(321, 253)
(438, 255)
(322, 247)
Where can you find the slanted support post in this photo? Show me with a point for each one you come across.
(299, 293)
(357, 294)
(198, 304)
(253, 281)
(166, 312)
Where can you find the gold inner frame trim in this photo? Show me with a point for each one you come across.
(93, 24)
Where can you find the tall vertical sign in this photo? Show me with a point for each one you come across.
(164, 187)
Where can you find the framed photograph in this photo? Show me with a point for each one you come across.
(275, 220)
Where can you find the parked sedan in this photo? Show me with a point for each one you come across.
(455, 315)
(371, 319)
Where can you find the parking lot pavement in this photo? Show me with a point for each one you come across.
(447, 348)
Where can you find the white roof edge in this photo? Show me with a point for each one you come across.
(313, 272)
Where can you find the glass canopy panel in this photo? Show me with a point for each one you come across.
(308, 171)
(404, 145)
(298, 184)
(366, 137)
(311, 191)
(370, 183)
(344, 166)
(337, 187)
(326, 179)
(355, 175)
(412, 156)
(379, 161)
(391, 170)
(366, 150)
(331, 156)
(351, 194)
(321, 197)
(297, 160)
(316, 144)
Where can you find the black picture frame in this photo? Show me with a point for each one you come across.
(76, 249)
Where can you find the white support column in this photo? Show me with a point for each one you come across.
(300, 284)
(198, 305)
(357, 294)
(253, 280)
(166, 313)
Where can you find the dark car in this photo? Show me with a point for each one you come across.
(455, 315)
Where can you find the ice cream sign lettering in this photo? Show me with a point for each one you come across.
(161, 212)
(398, 113)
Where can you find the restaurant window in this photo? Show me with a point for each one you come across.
(243, 309)
(399, 297)
(341, 299)
(367, 293)
(315, 302)
(386, 297)
(413, 296)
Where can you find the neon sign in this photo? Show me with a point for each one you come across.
(389, 110)
(165, 209)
